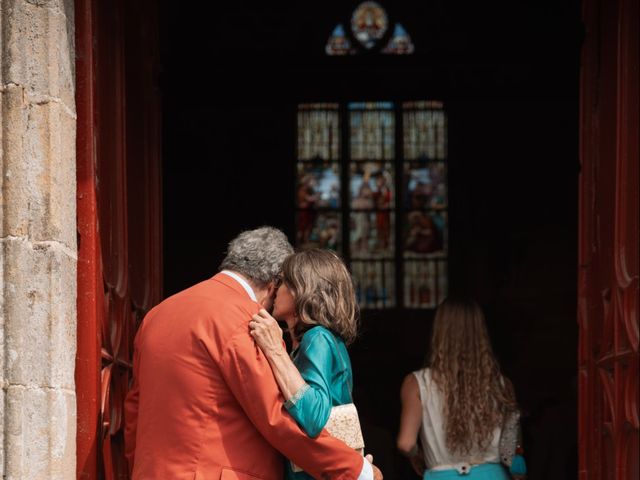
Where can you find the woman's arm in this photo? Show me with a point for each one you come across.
(268, 335)
(308, 391)
(411, 416)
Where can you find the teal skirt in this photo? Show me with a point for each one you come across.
(484, 471)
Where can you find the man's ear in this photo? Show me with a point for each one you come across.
(267, 302)
(272, 289)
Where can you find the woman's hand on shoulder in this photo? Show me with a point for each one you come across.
(267, 333)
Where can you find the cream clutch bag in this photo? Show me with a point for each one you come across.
(344, 425)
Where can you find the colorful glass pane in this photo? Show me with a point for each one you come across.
(372, 131)
(425, 195)
(420, 285)
(318, 185)
(318, 132)
(425, 234)
(425, 186)
(369, 23)
(374, 283)
(371, 234)
(400, 43)
(424, 134)
(338, 43)
(318, 229)
(371, 185)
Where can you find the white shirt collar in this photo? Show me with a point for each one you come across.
(242, 282)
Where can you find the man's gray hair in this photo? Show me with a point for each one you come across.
(258, 254)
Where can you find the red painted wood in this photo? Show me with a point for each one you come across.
(89, 272)
(609, 239)
(119, 273)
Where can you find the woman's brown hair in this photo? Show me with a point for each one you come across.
(476, 396)
(323, 293)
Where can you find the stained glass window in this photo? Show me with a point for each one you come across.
(400, 42)
(318, 184)
(338, 43)
(318, 131)
(372, 197)
(425, 224)
(369, 23)
(382, 205)
(369, 26)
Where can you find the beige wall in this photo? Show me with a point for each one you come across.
(37, 240)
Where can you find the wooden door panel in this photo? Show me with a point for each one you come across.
(608, 242)
(119, 274)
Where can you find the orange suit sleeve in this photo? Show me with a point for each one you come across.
(249, 377)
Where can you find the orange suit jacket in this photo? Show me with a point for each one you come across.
(204, 404)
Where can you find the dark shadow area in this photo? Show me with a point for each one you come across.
(507, 72)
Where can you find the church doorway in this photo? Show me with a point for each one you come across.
(164, 193)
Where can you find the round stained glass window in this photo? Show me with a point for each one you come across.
(369, 23)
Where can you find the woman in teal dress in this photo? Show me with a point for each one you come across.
(316, 300)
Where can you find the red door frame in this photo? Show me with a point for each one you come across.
(119, 240)
(89, 274)
(608, 242)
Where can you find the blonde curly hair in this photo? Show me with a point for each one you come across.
(476, 397)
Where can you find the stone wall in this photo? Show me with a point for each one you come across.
(37, 240)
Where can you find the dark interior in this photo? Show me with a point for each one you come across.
(507, 72)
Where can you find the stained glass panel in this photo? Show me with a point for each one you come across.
(425, 234)
(425, 186)
(425, 199)
(318, 185)
(371, 234)
(374, 283)
(420, 284)
(372, 131)
(400, 43)
(371, 185)
(318, 229)
(318, 131)
(369, 23)
(338, 43)
(424, 132)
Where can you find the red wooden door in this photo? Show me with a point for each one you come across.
(608, 251)
(119, 231)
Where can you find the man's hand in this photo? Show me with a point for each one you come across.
(377, 474)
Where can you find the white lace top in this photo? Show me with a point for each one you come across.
(432, 434)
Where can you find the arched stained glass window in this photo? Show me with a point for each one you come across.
(377, 194)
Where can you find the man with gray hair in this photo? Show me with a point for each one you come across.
(204, 404)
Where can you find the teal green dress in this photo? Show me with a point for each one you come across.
(324, 364)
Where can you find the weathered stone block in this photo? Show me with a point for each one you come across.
(38, 184)
(38, 50)
(40, 306)
(39, 433)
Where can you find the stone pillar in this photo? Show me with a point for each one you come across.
(37, 240)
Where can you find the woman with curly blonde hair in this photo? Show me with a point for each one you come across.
(459, 404)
